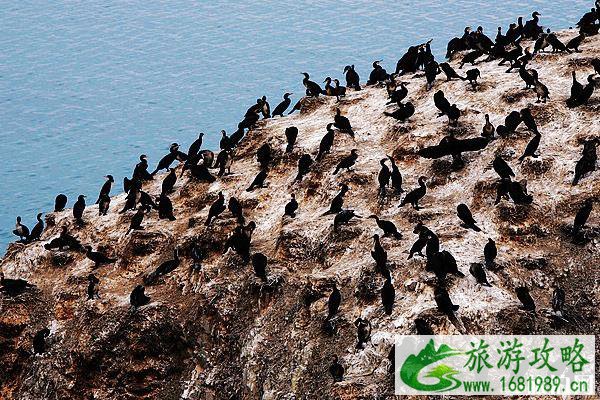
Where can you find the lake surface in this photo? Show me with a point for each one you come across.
(86, 87)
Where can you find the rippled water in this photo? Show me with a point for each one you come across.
(85, 87)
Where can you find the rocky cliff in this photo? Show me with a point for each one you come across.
(218, 332)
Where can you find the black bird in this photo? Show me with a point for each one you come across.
(21, 230)
(398, 95)
(378, 74)
(140, 172)
(432, 69)
(64, 240)
(333, 303)
(472, 76)
(575, 43)
(304, 164)
(216, 209)
(291, 134)
(169, 182)
(404, 112)
(453, 114)
(511, 122)
(173, 155)
(105, 190)
(528, 120)
(165, 208)
(347, 162)
(383, 177)
(39, 341)
(532, 147)
(541, 90)
(422, 327)
(450, 146)
(136, 221)
(60, 203)
(281, 107)
(195, 147)
(442, 104)
(585, 94)
(259, 180)
(556, 44)
(201, 172)
(363, 332)
(525, 298)
(163, 269)
(138, 298)
(264, 155)
(415, 195)
(225, 142)
(37, 230)
(558, 301)
(470, 58)
(576, 89)
(78, 209)
(490, 252)
(587, 162)
(443, 301)
(336, 370)
(339, 91)
(92, 289)
(388, 295)
(291, 207)
(379, 255)
(326, 142)
(396, 176)
(388, 227)
(343, 217)
(13, 287)
(338, 200)
(466, 217)
(98, 258)
(502, 168)
(488, 129)
(449, 72)
(478, 272)
(424, 236)
(259, 263)
(342, 123)
(235, 207)
(104, 205)
(352, 78)
(582, 215)
(312, 88)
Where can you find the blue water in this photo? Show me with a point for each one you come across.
(85, 87)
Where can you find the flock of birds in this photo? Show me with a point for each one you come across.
(474, 45)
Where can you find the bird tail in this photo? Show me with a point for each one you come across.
(476, 228)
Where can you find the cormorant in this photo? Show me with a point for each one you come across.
(21, 230)
(383, 177)
(163, 269)
(98, 258)
(466, 217)
(216, 209)
(326, 142)
(388, 295)
(37, 230)
(165, 208)
(388, 227)
(236, 210)
(225, 142)
(281, 107)
(13, 287)
(378, 74)
(201, 172)
(379, 256)
(64, 240)
(39, 341)
(291, 134)
(60, 202)
(525, 298)
(136, 221)
(396, 176)
(264, 155)
(488, 129)
(92, 289)
(312, 88)
(340, 91)
(352, 78)
(138, 298)
(343, 217)
(422, 327)
(404, 112)
(557, 45)
(587, 162)
(449, 72)
(479, 274)
(103, 205)
(532, 147)
(575, 43)
(259, 180)
(329, 90)
(432, 69)
(398, 95)
(333, 303)
(441, 103)
(532, 29)
(259, 263)
(347, 162)
(443, 301)
(166, 161)
(304, 164)
(582, 215)
(576, 88)
(169, 182)
(338, 200)
(336, 370)
(265, 109)
(363, 332)
(78, 209)
(490, 252)
(558, 301)
(195, 147)
(418, 246)
(415, 195)
(105, 190)
(140, 172)
(502, 168)
(342, 123)
(291, 207)
(472, 76)
(471, 58)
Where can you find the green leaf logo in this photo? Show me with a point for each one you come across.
(413, 365)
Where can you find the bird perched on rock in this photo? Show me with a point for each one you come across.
(388, 227)
(415, 195)
(587, 162)
(92, 289)
(259, 264)
(336, 370)
(138, 298)
(39, 341)
(343, 217)
(525, 298)
(502, 168)
(442, 299)
(338, 201)
(304, 164)
(291, 134)
(291, 207)
(14, 287)
(404, 112)
(215, 209)
(466, 217)
(363, 332)
(342, 123)
(347, 162)
(163, 269)
(388, 296)
(479, 274)
(98, 258)
(21, 230)
(259, 180)
(490, 252)
(582, 215)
